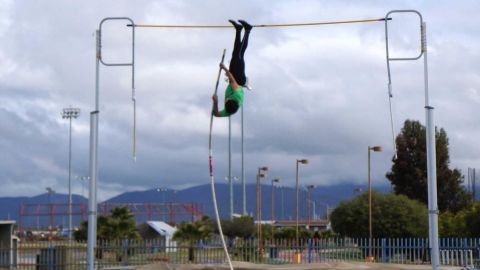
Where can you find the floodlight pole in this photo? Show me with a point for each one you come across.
(430, 138)
(94, 115)
(69, 113)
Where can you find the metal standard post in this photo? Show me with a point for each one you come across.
(296, 206)
(283, 202)
(430, 138)
(92, 192)
(244, 192)
(370, 256)
(432, 186)
(94, 116)
(431, 161)
(230, 182)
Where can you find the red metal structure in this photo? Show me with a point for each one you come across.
(171, 212)
(53, 216)
(47, 216)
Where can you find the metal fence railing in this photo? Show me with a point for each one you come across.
(71, 255)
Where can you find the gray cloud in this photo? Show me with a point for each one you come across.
(319, 92)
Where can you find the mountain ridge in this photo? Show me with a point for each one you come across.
(322, 199)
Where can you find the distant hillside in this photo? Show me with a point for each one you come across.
(321, 197)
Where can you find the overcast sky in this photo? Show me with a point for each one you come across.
(318, 92)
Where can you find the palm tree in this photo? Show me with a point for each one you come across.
(122, 224)
(119, 225)
(190, 233)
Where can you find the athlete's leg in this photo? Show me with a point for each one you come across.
(237, 65)
(244, 43)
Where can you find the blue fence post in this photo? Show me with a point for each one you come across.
(384, 253)
(201, 251)
(309, 250)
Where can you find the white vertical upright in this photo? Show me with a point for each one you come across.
(244, 192)
(92, 192)
(230, 182)
(94, 116)
(430, 138)
(431, 161)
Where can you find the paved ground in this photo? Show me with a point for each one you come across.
(315, 266)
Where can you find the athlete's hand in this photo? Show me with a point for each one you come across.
(214, 98)
(222, 66)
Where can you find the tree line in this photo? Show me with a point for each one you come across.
(403, 213)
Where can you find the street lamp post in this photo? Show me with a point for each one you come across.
(309, 190)
(82, 181)
(69, 113)
(299, 161)
(272, 197)
(283, 202)
(370, 255)
(261, 174)
(163, 191)
(357, 191)
(171, 204)
(314, 210)
(50, 191)
(327, 208)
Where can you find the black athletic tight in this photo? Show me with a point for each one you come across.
(237, 63)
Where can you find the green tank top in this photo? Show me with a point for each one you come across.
(235, 95)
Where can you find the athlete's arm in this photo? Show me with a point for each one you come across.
(215, 111)
(231, 79)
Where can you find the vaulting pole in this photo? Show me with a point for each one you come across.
(212, 178)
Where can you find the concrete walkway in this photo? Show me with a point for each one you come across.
(313, 266)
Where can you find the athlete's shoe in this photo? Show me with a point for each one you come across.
(236, 25)
(246, 25)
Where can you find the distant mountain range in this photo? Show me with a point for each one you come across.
(36, 210)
